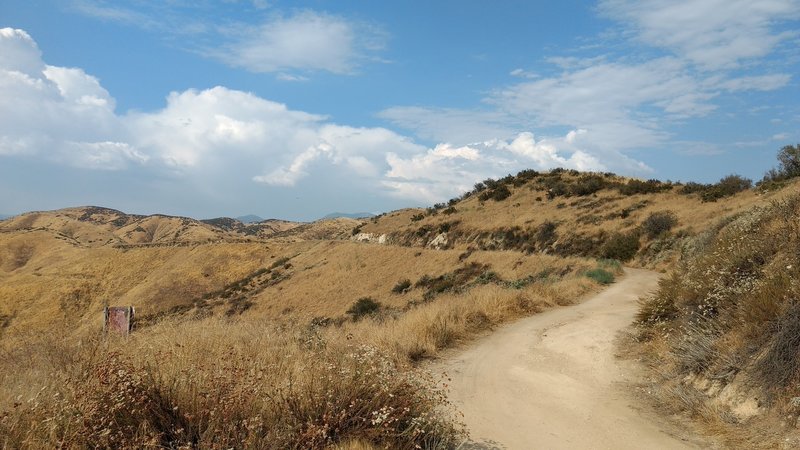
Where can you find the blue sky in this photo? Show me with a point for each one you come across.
(297, 109)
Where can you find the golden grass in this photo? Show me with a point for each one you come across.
(46, 282)
(252, 382)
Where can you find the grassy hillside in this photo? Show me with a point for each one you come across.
(568, 213)
(722, 333)
(93, 226)
(311, 364)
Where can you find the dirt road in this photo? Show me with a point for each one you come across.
(552, 381)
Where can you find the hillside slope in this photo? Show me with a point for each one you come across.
(722, 333)
(569, 213)
(93, 226)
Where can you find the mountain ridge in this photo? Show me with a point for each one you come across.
(249, 218)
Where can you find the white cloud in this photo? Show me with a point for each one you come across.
(606, 92)
(446, 170)
(780, 136)
(452, 125)
(359, 150)
(756, 83)
(200, 128)
(305, 41)
(282, 44)
(713, 34)
(629, 103)
(522, 73)
(290, 77)
(20, 53)
(574, 62)
(59, 114)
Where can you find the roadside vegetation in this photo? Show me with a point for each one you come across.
(722, 334)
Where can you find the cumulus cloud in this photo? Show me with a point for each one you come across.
(60, 114)
(713, 34)
(305, 41)
(199, 128)
(217, 138)
(446, 170)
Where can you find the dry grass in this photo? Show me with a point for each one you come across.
(263, 380)
(61, 283)
(721, 332)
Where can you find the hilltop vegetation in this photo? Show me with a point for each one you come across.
(569, 213)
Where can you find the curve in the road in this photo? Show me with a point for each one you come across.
(552, 380)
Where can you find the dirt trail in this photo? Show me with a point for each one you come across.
(552, 381)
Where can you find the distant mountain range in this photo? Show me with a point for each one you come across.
(358, 215)
(250, 218)
(4, 216)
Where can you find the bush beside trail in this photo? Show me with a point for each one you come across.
(729, 316)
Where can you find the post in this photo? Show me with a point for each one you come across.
(118, 319)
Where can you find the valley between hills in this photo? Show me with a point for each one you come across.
(333, 334)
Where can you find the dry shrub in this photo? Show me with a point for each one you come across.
(216, 384)
(779, 365)
(729, 314)
(659, 223)
(621, 247)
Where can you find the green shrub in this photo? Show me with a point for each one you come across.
(620, 246)
(557, 189)
(788, 168)
(610, 264)
(453, 281)
(587, 185)
(658, 223)
(363, 307)
(417, 217)
(601, 276)
(633, 187)
(487, 277)
(402, 286)
(726, 187)
(527, 175)
(498, 192)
